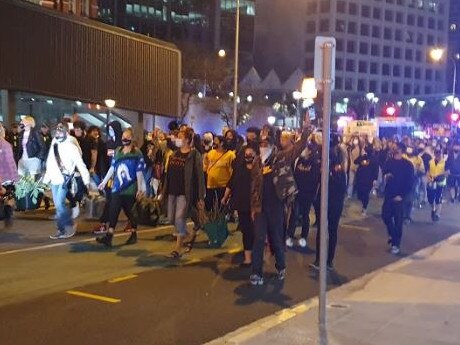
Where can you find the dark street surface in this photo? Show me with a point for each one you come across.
(161, 301)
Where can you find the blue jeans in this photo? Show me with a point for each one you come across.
(177, 213)
(63, 217)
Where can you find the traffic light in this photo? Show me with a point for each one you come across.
(454, 117)
(390, 111)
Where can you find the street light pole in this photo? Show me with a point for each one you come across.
(235, 78)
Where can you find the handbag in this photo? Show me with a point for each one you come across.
(69, 179)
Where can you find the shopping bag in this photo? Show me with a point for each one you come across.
(93, 206)
(217, 232)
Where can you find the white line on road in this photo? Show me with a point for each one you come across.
(86, 240)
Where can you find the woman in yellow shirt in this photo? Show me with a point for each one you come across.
(218, 167)
(436, 183)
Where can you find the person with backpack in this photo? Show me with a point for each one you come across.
(127, 171)
(273, 186)
(63, 160)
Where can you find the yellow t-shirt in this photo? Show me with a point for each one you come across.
(219, 168)
(437, 169)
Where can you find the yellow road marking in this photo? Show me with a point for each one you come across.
(92, 296)
(235, 250)
(356, 227)
(122, 279)
(192, 261)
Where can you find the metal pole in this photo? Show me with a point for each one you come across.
(327, 90)
(235, 78)
(454, 86)
(297, 124)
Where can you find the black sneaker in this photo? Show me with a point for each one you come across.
(256, 279)
(132, 239)
(433, 216)
(105, 240)
(330, 267)
(282, 274)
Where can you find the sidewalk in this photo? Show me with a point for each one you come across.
(415, 301)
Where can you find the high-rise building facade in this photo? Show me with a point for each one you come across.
(382, 45)
(454, 42)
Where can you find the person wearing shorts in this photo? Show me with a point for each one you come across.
(436, 183)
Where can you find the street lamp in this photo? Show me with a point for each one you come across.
(235, 77)
(271, 120)
(222, 53)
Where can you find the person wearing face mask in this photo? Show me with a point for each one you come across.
(419, 172)
(32, 149)
(397, 172)
(307, 174)
(354, 151)
(208, 141)
(8, 172)
(273, 185)
(436, 176)
(63, 160)
(453, 166)
(218, 167)
(366, 175)
(184, 188)
(127, 171)
(238, 196)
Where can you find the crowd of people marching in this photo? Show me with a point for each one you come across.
(269, 180)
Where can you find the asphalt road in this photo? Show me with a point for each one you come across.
(158, 301)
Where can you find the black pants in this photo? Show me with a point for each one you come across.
(6, 212)
(333, 216)
(392, 215)
(363, 196)
(213, 198)
(105, 213)
(302, 208)
(408, 203)
(119, 202)
(246, 226)
(269, 222)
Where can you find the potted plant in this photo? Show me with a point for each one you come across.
(28, 193)
(215, 225)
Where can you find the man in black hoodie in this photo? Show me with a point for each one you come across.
(398, 174)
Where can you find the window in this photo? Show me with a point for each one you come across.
(364, 30)
(324, 25)
(373, 86)
(427, 90)
(399, 18)
(341, 5)
(353, 9)
(428, 74)
(376, 13)
(351, 66)
(375, 50)
(385, 87)
(363, 48)
(374, 68)
(325, 6)
(311, 27)
(396, 71)
(375, 32)
(438, 76)
(339, 83)
(419, 39)
(339, 64)
(365, 11)
(417, 73)
(407, 89)
(395, 88)
(409, 37)
(340, 26)
(410, 19)
(348, 84)
(361, 85)
(387, 34)
(409, 55)
(310, 46)
(397, 53)
(311, 7)
(420, 22)
(418, 56)
(417, 89)
(387, 51)
(351, 47)
(430, 40)
(398, 35)
(339, 44)
(440, 25)
(431, 23)
(363, 67)
(389, 15)
(352, 28)
(386, 69)
(407, 72)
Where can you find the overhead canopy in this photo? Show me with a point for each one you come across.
(49, 53)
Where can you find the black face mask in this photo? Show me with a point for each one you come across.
(21, 126)
(456, 150)
(229, 145)
(61, 137)
(126, 142)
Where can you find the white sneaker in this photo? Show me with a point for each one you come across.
(69, 232)
(303, 242)
(395, 250)
(290, 242)
(75, 212)
(364, 212)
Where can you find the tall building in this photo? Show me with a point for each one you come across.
(454, 42)
(382, 45)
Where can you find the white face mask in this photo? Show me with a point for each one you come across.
(111, 133)
(179, 143)
(355, 142)
(265, 152)
(304, 153)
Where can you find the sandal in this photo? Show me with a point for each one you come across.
(189, 245)
(174, 255)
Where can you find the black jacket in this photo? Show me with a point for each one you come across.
(36, 147)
